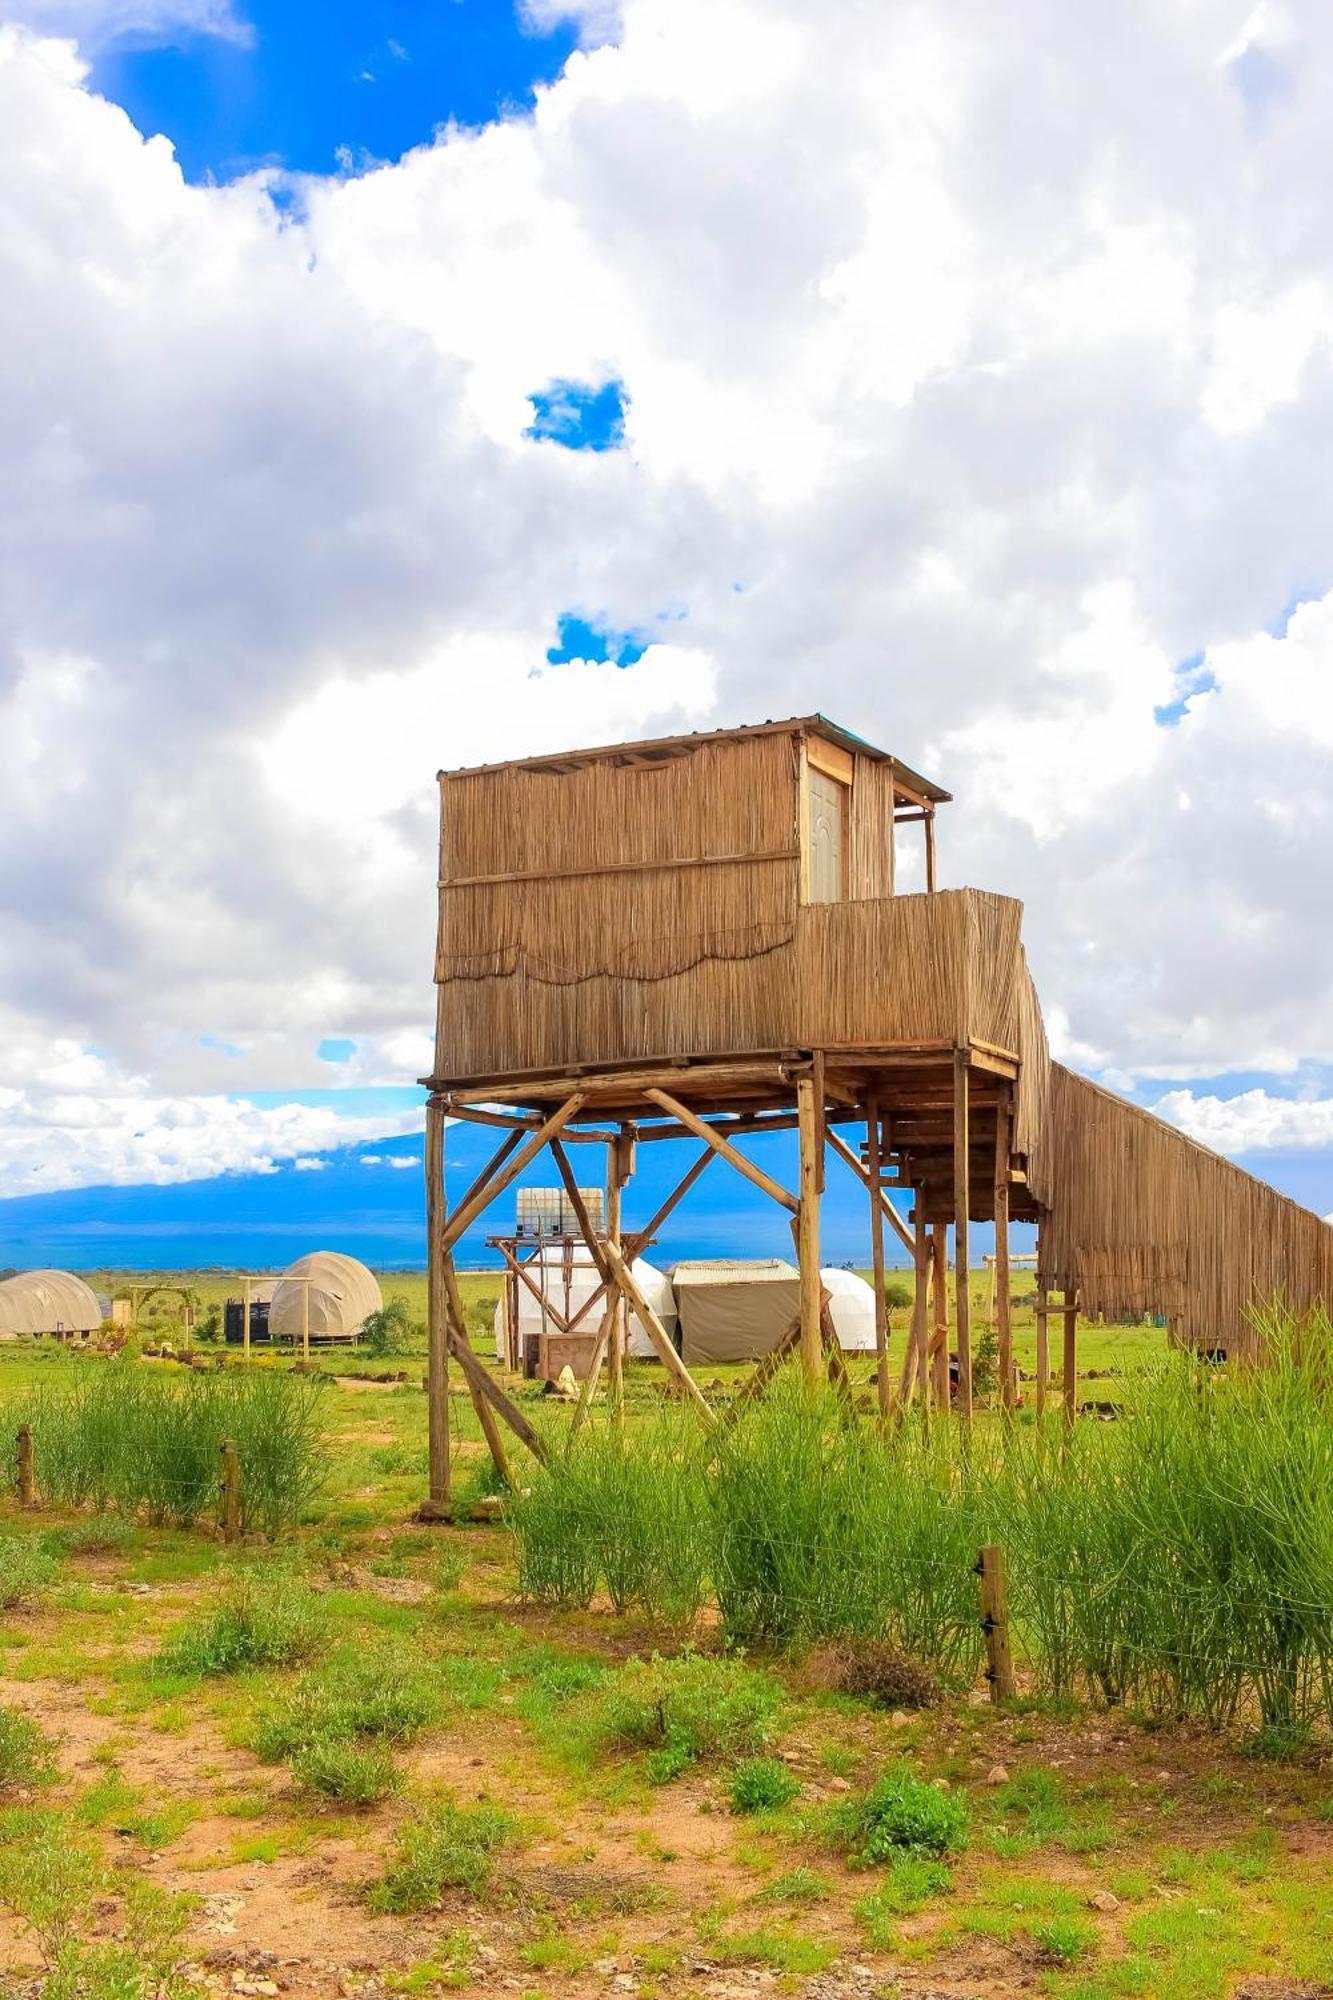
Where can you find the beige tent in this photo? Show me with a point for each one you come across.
(549, 1271)
(733, 1311)
(343, 1293)
(47, 1302)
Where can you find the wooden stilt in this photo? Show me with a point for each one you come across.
(1071, 1357)
(724, 1148)
(873, 1136)
(920, 1270)
(1000, 1268)
(807, 1230)
(437, 1315)
(620, 1164)
(961, 1205)
(1043, 1347)
(482, 1387)
(939, 1295)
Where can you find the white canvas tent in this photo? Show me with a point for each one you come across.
(738, 1311)
(550, 1271)
(343, 1294)
(47, 1302)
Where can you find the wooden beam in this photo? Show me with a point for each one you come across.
(877, 1262)
(807, 1231)
(1000, 1268)
(920, 1271)
(437, 1314)
(961, 1205)
(482, 1196)
(770, 854)
(930, 852)
(715, 1077)
(657, 1333)
(1042, 1315)
(619, 1166)
(723, 1147)
(520, 1269)
(1071, 1357)
(458, 1342)
(939, 1292)
(895, 1221)
(474, 1115)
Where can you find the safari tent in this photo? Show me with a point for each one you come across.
(47, 1302)
(343, 1294)
(733, 1310)
(567, 1281)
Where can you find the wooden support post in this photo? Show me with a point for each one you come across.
(27, 1484)
(436, 1507)
(1000, 1277)
(920, 1269)
(807, 1231)
(961, 1203)
(620, 1165)
(245, 1321)
(1042, 1309)
(995, 1623)
(230, 1509)
(939, 1293)
(1071, 1357)
(929, 825)
(873, 1137)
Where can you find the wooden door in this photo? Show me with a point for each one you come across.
(828, 838)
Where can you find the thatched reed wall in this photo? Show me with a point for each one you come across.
(940, 968)
(1141, 1219)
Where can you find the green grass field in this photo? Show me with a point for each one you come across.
(356, 1762)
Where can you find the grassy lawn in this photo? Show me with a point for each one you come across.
(356, 1763)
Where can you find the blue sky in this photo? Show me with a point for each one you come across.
(316, 86)
(649, 391)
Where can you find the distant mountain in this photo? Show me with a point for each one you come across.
(376, 1211)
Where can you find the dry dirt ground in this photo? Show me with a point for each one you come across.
(1103, 1859)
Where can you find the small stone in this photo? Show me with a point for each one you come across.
(1102, 1899)
(997, 1775)
(839, 1785)
(900, 1718)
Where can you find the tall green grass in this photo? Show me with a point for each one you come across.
(118, 1436)
(1180, 1560)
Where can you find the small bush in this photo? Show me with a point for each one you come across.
(691, 1707)
(374, 1694)
(355, 1774)
(897, 1294)
(26, 1756)
(1064, 1940)
(258, 1624)
(761, 1784)
(27, 1568)
(899, 1814)
(875, 1670)
(442, 1847)
(392, 1329)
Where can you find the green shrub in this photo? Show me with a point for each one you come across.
(27, 1568)
(353, 1773)
(259, 1623)
(26, 1755)
(444, 1846)
(898, 1294)
(392, 1329)
(124, 1437)
(761, 1784)
(899, 1814)
(691, 1707)
(358, 1694)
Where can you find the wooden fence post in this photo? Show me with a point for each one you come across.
(231, 1492)
(995, 1622)
(27, 1485)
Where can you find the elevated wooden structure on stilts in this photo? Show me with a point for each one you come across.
(702, 938)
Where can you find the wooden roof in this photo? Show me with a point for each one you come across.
(665, 746)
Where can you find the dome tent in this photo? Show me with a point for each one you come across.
(548, 1270)
(343, 1294)
(47, 1302)
(852, 1307)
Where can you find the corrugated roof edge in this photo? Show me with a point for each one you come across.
(819, 724)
